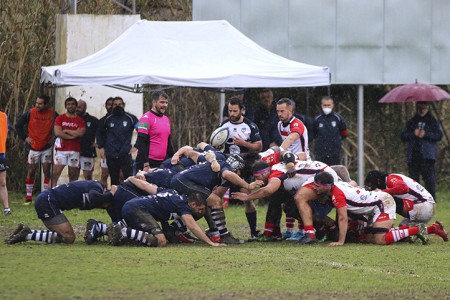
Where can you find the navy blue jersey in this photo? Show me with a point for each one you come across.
(203, 175)
(75, 194)
(328, 131)
(167, 204)
(219, 154)
(87, 142)
(160, 177)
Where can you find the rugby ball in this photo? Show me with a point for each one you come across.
(219, 137)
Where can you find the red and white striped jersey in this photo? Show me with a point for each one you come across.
(295, 125)
(404, 187)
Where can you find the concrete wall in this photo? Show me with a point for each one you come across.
(78, 36)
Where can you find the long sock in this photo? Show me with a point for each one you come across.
(300, 226)
(310, 230)
(101, 228)
(399, 234)
(431, 229)
(134, 234)
(268, 229)
(218, 217)
(290, 223)
(29, 184)
(46, 183)
(252, 220)
(45, 236)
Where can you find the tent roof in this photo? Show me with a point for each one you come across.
(195, 54)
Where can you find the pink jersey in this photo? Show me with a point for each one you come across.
(158, 130)
(67, 123)
(295, 125)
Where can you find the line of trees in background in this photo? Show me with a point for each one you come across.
(27, 42)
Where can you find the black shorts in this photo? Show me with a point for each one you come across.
(139, 218)
(2, 163)
(47, 208)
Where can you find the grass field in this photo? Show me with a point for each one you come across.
(279, 270)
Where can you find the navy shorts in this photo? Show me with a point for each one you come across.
(137, 217)
(46, 206)
(187, 187)
(2, 163)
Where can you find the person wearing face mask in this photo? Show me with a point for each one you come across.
(422, 132)
(328, 131)
(114, 140)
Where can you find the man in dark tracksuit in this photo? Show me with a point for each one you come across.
(329, 129)
(114, 140)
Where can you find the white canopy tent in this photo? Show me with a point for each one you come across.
(210, 54)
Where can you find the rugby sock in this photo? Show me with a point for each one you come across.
(268, 229)
(431, 229)
(101, 228)
(399, 234)
(309, 230)
(218, 217)
(134, 234)
(45, 236)
(300, 226)
(251, 219)
(29, 183)
(290, 223)
(46, 183)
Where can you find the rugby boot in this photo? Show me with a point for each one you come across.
(440, 230)
(214, 236)
(421, 235)
(307, 240)
(287, 234)
(19, 235)
(228, 238)
(186, 238)
(114, 232)
(296, 237)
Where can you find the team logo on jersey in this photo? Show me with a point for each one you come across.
(88, 124)
(124, 123)
(111, 125)
(320, 125)
(295, 125)
(142, 125)
(333, 123)
(243, 130)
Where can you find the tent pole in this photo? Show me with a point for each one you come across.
(222, 104)
(360, 135)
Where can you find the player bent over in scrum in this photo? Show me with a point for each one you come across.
(84, 195)
(377, 205)
(142, 214)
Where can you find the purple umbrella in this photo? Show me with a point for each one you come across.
(415, 92)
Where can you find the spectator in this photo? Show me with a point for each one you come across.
(4, 128)
(266, 119)
(114, 140)
(88, 147)
(103, 165)
(69, 128)
(39, 123)
(153, 141)
(248, 109)
(422, 132)
(328, 130)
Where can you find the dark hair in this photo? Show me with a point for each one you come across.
(109, 99)
(70, 99)
(327, 98)
(45, 98)
(375, 180)
(259, 165)
(287, 101)
(197, 198)
(236, 101)
(159, 94)
(324, 178)
(118, 98)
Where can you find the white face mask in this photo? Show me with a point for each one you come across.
(326, 110)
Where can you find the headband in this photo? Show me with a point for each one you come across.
(260, 172)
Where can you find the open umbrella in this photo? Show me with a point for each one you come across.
(415, 92)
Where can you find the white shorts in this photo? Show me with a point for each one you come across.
(389, 209)
(67, 158)
(103, 163)
(421, 213)
(87, 163)
(43, 156)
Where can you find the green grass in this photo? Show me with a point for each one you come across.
(280, 270)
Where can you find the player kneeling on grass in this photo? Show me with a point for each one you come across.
(377, 205)
(83, 194)
(142, 214)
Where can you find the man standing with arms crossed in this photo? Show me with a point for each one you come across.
(69, 128)
(153, 141)
(39, 122)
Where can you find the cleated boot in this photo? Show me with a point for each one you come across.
(114, 231)
(421, 235)
(287, 235)
(440, 230)
(296, 237)
(91, 234)
(254, 236)
(307, 240)
(186, 238)
(19, 236)
(228, 238)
